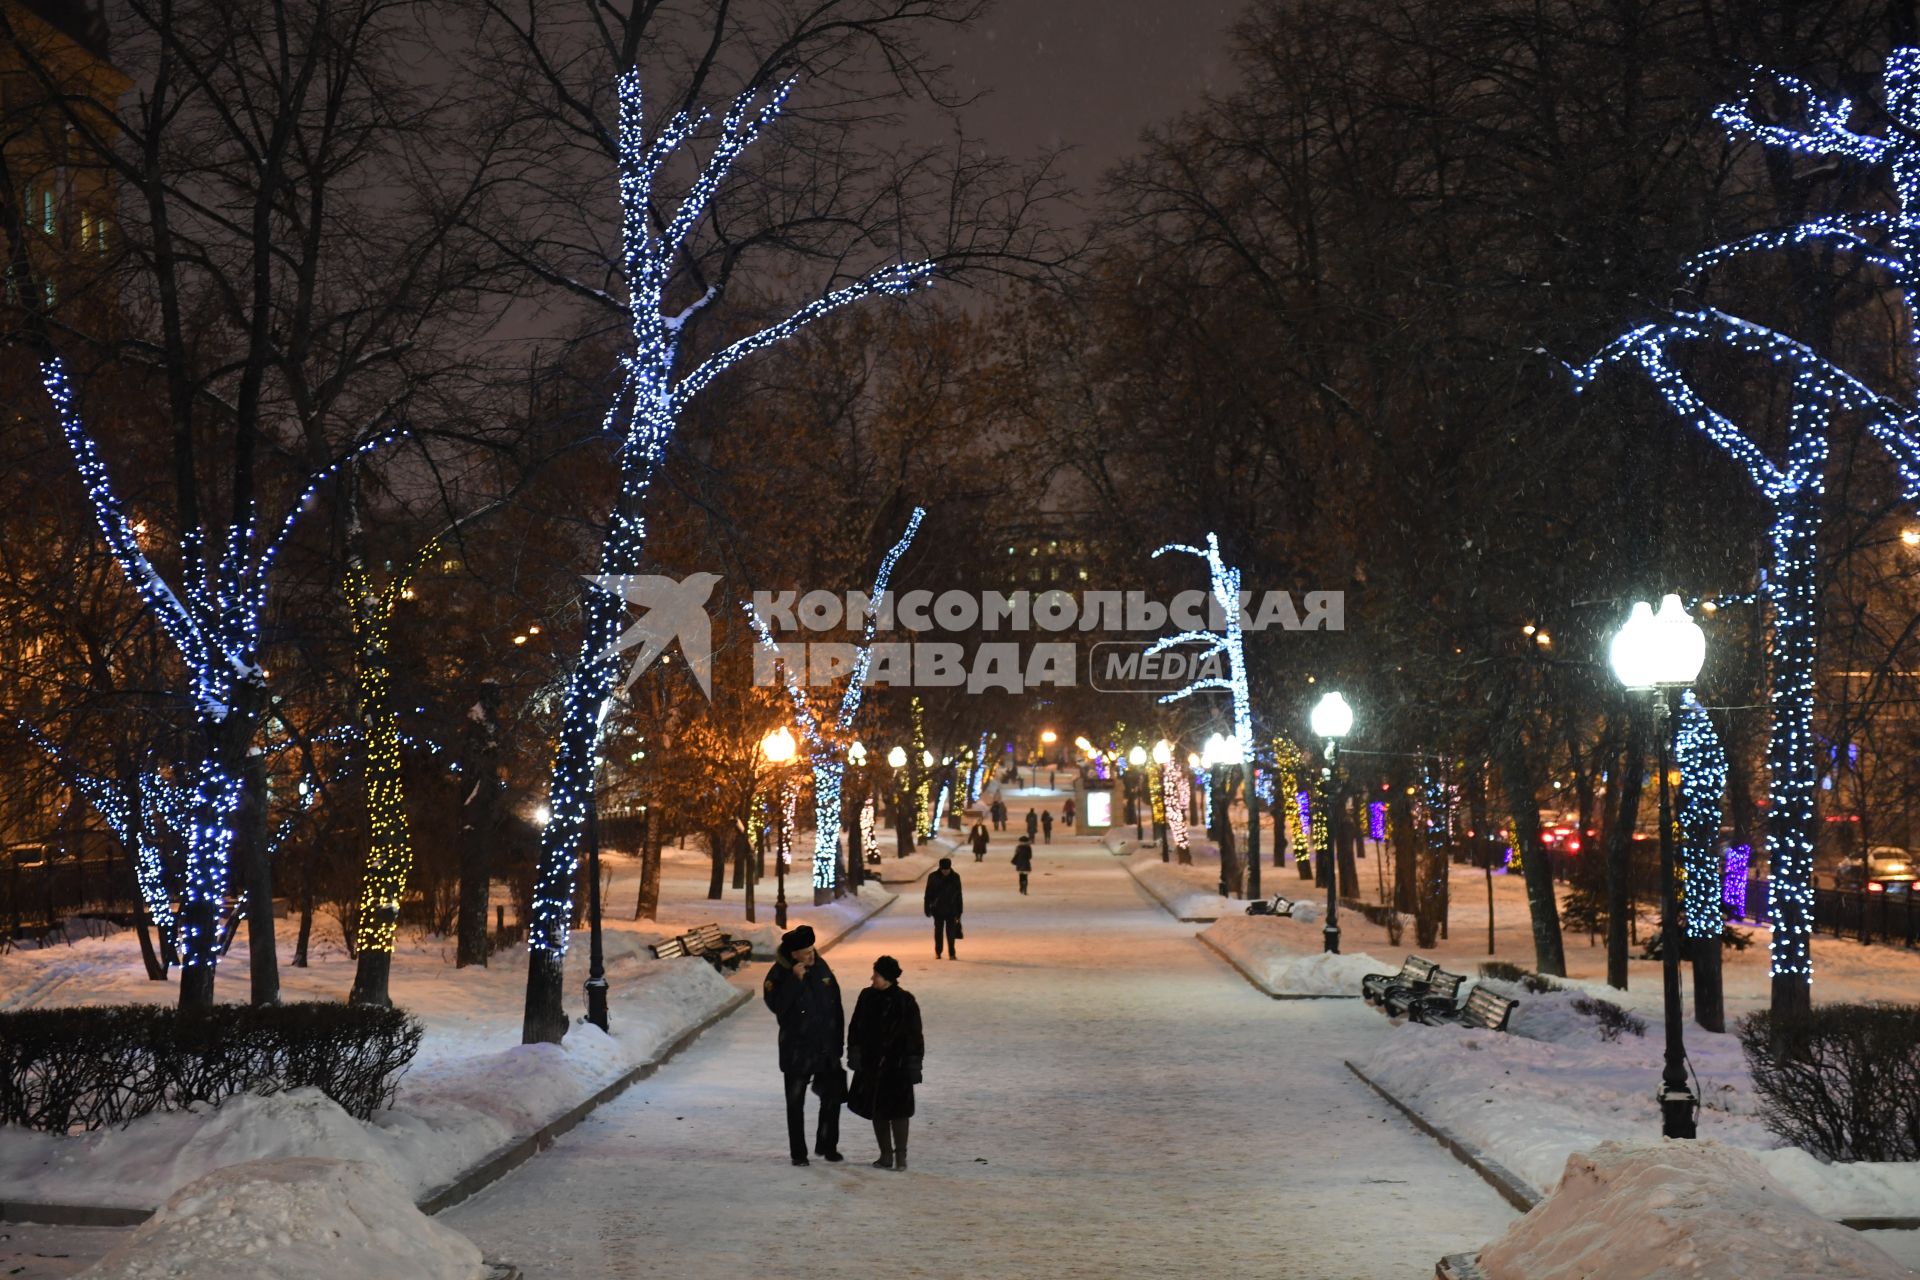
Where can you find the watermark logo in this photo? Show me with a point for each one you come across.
(1124, 666)
(675, 612)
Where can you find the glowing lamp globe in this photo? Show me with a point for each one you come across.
(1049, 737)
(778, 746)
(857, 753)
(897, 757)
(1137, 756)
(926, 759)
(1193, 760)
(1332, 718)
(1162, 751)
(1658, 650)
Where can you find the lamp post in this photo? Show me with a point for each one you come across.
(856, 851)
(902, 805)
(1332, 720)
(1136, 760)
(1662, 653)
(596, 956)
(1162, 754)
(778, 750)
(1219, 754)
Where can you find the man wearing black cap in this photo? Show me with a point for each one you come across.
(943, 901)
(802, 993)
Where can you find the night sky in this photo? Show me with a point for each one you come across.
(1091, 73)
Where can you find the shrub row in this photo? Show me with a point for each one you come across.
(1842, 1081)
(65, 1070)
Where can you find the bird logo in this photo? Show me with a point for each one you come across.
(675, 611)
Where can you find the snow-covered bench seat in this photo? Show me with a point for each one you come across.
(1482, 1009)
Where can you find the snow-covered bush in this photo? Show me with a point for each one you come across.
(1842, 1081)
(1611, 1018)
(63, 1070)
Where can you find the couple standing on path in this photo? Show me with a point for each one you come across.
(1038, 819)
(883, 1046)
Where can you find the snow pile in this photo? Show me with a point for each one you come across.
(1273, 951)
(1698, 1209)
(297, 1219)
(451, 1113)
(1188, 892)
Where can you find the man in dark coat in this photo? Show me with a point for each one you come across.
(802, 993)
(1023, 860)
(1033, 824)
(884, 1048)
(944, 906)
(980, 840)
(1046, 824)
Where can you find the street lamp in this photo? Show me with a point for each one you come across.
(1136, 760)
(1219, 752)
(778, 749)
(1332, 720)
(1662, 653)
(1162, 755)
(902, 806)
(856, 844)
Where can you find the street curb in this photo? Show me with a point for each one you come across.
(1511, 1187)
(881, 874)
(1164, 905)
(517, 1153)
(510, 1157)
(1255, 983)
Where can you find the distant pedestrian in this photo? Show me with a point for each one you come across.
(1046, 823)
(803, 995)
(944, 905)
(980, 842)
(1023, 860)
(998, 812)
(1033, 824)
(885, 1049)
(1066, 812)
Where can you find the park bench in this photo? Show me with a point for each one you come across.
(717, 948)
(1278, 905)
(708, 943)
(1482, 1009)
(1441, 991)
(1414, 972)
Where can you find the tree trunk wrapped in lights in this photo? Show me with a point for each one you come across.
(642, 419)
(389, 846)
(1888, 242)
(1703, 784)
(214, 624)
(827, 748)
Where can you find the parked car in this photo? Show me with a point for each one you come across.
(1885, 869)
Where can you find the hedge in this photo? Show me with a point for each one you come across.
(68, 1070)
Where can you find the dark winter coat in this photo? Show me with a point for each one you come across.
(979, 838)
(884, 1049)
(1023, 856)
(943, 893)
(1033, 822)
(1046, 820)
(812, 1019)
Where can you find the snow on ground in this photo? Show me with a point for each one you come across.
(1555, 1086)
(1642, 1211)
(292, 1219)
(472, 1088)
(1285, 958)
(898, 871)
(1188, 892)
(1104, 1097)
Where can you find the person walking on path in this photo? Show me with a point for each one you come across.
(885, 1049)
(1046, 823)
(999, 815)
(979, 842)
(1066, 812)
(803, 995)
(1033, 824)
(1023, 860)
(944, 905)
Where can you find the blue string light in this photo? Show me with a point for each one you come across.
(1887, 242)
(643, 417)
(1225, 583)
(1703, 782)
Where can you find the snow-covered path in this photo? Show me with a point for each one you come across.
(1103, 1097)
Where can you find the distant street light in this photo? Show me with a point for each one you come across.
(1332, 720)
(1662, 653)
(778, 749)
